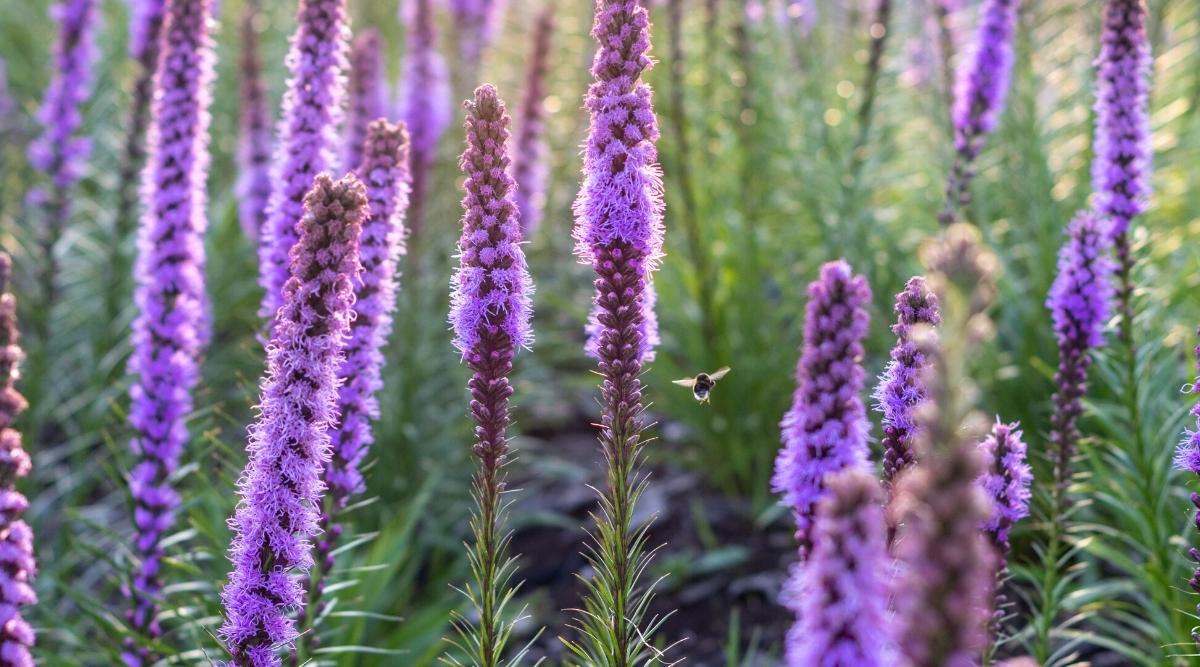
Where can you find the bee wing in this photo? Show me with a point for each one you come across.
(717, 375)
(686, 382)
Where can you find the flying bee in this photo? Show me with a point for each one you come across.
(703, 383)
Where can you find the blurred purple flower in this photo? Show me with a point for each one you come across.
(169, 328)
(281, 486)
(1080, 304)
(145, 25)
(254, 142)
(17, 566)
(425, 105)
(979, 98)
(900, 389)
(1006, 482)
(529, 157)
(825, 431)
(1187, 458)
(475, 21)
(368, 94)
(307, 136)
(840, 595)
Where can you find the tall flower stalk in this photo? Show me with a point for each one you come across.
(490, 314)
(307, 136)
(476, 23)
(825, 430)
(254, 142)
(619, 231)
(1121, 168)
(424, 102)
(17, 565)
(979, 97)
(840, 596)
(367, 93)
(1187, 458)
(168, 331)
(280, 490)
(57, 152)
(144, 45)
(529, 165)
(384, 171)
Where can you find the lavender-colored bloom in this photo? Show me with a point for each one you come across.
(368, 94)
(476, 24)
(1120, 172)
(825, 431)
(424, 101)
(529, 157)
(1187, 458)
(307, 135)
(145, 25)
(900, 389)
(384, 171)
(840, 595)
(281, 486)
(17, 566)
(169, 328)
(254, 142)
(979, 98)
(1006, 482)
(1079, 302)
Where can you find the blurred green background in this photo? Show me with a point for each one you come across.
(770, 171)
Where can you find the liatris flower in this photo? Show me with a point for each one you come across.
(307, 135)
(619, 231)
(1006, 482)
(254, 142)
(1121, 169)
(1079, 302)
(17, 566)
(979, 97)
(368, 94)
(825, 431)
(1187, 458)
(144, 45)
(900, 390)
(281, 486)
(58, 153)
(169, 292)
(476, 23)
(424, 101)
(840, 596)
(490, 313)
(529, 157)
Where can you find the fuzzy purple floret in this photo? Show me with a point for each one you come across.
(1080, 296)
(1120, 171)
(825, 431)
(168, 331)
(58, 153)
(281, 488)
(900, 389)
(1006, 481)
(307, 136)
(17, 565)
(254, 142)
(1187, 458)
(529, 156)
(492, 288)
(840, 595)
(983, 82)
(145, 21)
(368, 95)
(384, 171)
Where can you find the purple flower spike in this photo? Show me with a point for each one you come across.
(476, 22)
(825, 431)
(307, 135)
(529, 163)
(492, 287)
(1121, 170)
(254, 142)
(169, 330)
(384, 170)
(1080, 303)
(900, 389)
(368, 94)
(17, 566)
(979, 98)
(281, 487)
(424, 101)
(840, 595)
(1187, 458)
(1006, 482)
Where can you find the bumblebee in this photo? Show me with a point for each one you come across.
(703, 383)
